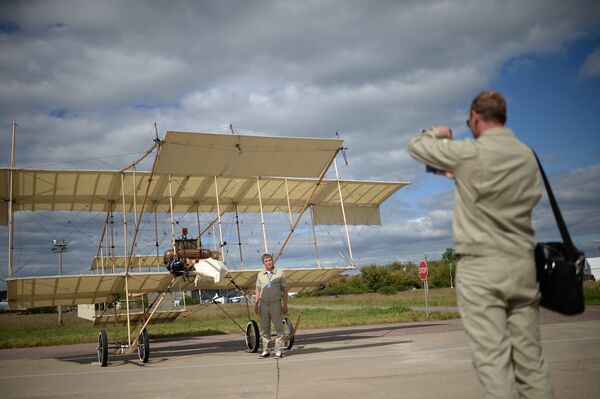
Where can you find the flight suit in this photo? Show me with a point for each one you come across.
(271, 287)
(497, 184)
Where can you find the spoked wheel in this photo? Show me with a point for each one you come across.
(102, 348)
(252, 336)
(288, 330)
(143, 346)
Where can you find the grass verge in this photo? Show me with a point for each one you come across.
(42, 329)
(317, 312)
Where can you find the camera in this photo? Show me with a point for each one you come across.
(431, 169)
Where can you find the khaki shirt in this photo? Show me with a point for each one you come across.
(271, 287)
(497, 184)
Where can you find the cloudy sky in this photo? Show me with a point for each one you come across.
(86, 80)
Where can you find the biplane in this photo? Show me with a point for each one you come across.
(193, 173)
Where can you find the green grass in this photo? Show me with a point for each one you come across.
(437, 297)
(42, 329)
(316, 312)
(591, 292)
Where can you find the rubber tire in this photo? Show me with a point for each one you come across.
(252, 336)
(143, 346)
(288, 330)
(102, 348)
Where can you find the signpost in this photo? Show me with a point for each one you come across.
(423, 271)
(423, 274)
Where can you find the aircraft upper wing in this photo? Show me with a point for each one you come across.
(101, 191)
(33, 292)
(210, 154)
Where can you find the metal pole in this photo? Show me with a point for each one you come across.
(198, 222)
(126, 265)
(343, 212)
(287, 196)
(59, 248)
(135, 215)
(60, 321)
(237, 224)
(214, 237)
(105, 246)
(219, 217)
(172, 216)
(262, 218)
(426, 288)
(126, 260)
(11, 222)
(426, 295)
(312, 222)
(100, 253)
(451, 285)
(112, 235)
(101, 258)
(156, 235)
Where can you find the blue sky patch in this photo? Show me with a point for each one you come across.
(9, 28)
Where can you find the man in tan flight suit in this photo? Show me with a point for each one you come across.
(271, 302)
(497, 184)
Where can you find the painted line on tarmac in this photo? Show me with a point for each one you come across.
(148, 368)
(288, 359)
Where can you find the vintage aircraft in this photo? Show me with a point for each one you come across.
(194, 173)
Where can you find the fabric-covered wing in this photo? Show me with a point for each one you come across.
(210, 154)
(101, 191)
(33, 292)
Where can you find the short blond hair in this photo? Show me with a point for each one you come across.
(491, 106)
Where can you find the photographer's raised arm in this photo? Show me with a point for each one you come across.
(435, 148)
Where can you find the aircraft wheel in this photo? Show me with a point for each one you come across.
(143, 346)
(288, 330)
(252, 336)
(102, 348)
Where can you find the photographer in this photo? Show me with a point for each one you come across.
(497, 184)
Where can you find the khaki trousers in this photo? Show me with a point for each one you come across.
(498, 299)
(271, 312)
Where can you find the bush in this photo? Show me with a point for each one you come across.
(344, 285)
(389, 279)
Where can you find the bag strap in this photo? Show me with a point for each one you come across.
(564, 232)
(573, 252)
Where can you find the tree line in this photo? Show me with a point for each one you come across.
(394, 277)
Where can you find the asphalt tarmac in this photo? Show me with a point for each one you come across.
(412, 360)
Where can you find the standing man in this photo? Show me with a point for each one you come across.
(271, 289)
(497, 184)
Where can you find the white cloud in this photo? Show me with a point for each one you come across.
(591, 66)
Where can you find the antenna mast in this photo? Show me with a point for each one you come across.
(11, 221)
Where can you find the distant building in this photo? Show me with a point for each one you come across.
(594, 267)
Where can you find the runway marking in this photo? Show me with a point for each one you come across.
(288, 359)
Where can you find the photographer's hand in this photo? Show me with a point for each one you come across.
(445, 173)
(444, 130)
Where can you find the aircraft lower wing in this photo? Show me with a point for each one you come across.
(31, 292)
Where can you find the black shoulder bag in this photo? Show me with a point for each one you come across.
(559, 266)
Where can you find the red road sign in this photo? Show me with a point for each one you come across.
(423, 270)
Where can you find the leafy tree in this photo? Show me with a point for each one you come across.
(449, 256)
